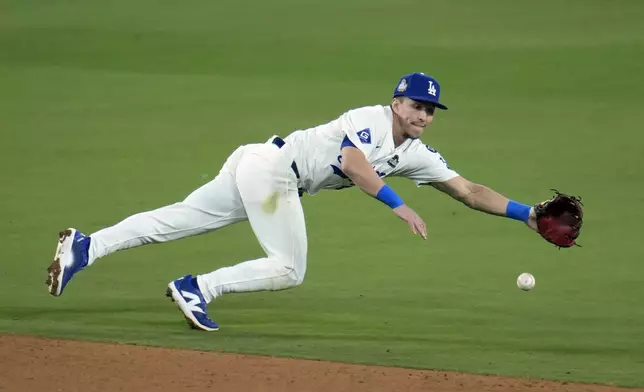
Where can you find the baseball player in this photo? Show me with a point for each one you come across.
(263, 183)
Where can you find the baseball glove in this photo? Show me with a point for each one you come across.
(559, 219)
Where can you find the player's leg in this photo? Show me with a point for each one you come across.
(212, 206)
(282, 235)
(268, 188)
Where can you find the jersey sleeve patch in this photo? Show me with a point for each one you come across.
(365, 136)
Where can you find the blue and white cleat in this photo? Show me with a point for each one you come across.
(72, 255)
(186, 294)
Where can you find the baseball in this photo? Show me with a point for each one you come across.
(526, 281)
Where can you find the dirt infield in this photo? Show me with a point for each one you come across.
(32, 364)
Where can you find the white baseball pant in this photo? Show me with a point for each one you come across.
(256, 184)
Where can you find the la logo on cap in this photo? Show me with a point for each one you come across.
(431, 89)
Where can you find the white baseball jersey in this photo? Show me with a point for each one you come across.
(318, 151)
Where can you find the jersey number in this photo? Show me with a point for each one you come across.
(439, 155)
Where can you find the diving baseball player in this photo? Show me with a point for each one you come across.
(262, 183)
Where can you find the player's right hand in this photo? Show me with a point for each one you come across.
(416, 224)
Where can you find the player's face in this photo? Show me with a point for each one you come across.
(414, 116)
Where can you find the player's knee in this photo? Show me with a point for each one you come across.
(297, 277)
(291, 278)
(288, 276)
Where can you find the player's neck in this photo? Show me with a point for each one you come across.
(397, 132)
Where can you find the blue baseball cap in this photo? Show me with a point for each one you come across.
(419, 87)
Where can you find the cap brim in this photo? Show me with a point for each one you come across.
(424, 99)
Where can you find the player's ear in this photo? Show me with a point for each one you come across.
(395, 104)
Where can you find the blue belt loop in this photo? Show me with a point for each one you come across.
(280, 143)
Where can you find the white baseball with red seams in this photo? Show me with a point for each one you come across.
(526, 281)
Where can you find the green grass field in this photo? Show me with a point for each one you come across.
(115, 107)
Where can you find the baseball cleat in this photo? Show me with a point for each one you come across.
(186, 294)
(72, 255)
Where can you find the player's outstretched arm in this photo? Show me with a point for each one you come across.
(482, 198)
(358, 169)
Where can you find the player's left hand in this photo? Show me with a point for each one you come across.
(559, 219)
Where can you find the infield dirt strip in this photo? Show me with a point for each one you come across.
(33, 364)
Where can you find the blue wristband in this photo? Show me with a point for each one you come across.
(517, 211)
(389, 197)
